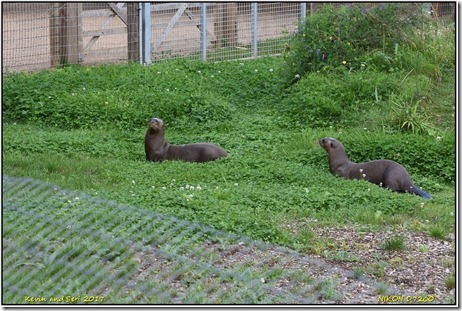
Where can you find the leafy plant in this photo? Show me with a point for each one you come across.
(337, 38)
(394, 243)
(410, 117)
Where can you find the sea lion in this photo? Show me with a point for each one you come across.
(157, 149)
(385, 173)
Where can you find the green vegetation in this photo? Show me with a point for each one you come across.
(83, 128)
(394, 243)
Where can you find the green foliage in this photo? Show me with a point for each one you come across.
(438, 232)
(374, 67)
(102, 97)
(321, 100)
(394, 243)
(83, 128)
(450, 282)
(337, 38)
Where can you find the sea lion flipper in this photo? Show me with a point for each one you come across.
(421, 193)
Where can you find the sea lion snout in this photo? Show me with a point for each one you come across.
(326, 142)
(155, 123)
(155, 120)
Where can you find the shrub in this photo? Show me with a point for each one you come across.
(339, 37)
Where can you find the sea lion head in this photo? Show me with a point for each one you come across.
(155, 124)
(329, 143)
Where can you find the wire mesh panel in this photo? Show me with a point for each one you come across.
(44, 35)
(276, 22)
(175, 30)
(25, 36)
(65, 247)
(104, 34)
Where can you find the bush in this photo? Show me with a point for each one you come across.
(339, 37)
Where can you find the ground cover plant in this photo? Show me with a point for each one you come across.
(83, 127)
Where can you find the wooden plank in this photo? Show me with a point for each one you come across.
(98, 13)
(65, 33)
(102, 32)
(197, 23)
(73, 32)
(179, 24)
(133, 31)
(55, 22)
(106, 51)
(104, 27)
(117, 9)
(170, 25)
(173, 6)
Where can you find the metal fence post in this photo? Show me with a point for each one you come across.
(302, 12)
(254, 29)
(203, 30)
(146, 33)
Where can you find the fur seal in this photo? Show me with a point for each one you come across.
(157, 149)
(385, 173)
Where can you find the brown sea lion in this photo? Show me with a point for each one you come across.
(385, 173)
(157, 149)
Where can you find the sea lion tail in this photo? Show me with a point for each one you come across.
(421, 193)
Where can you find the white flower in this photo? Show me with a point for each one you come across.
(439, 138)
(187, 186)
(181, 188)
(164, 188)
(199, 187)
(236, 184)
(256, 70)
(364, 175)
(198, 71)
(297, 76)
(271, 70)
(360, 170)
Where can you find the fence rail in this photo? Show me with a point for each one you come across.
(44, 35)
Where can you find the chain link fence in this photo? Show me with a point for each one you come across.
(66, 247)
(44, 35)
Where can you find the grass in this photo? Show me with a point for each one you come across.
(83, 128)
(276, 173)
(394, 243)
